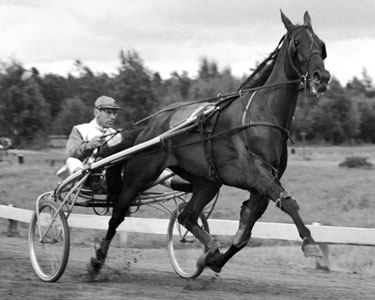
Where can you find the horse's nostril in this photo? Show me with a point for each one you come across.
(316, 76)
(322, 88)
(326, 76)
(321, 76)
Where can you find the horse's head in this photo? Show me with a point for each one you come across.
(306, 54)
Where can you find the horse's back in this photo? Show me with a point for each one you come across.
(185, 112)
(170, 117)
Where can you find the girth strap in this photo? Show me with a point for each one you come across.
(206, 134)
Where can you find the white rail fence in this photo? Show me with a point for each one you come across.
(263, 230)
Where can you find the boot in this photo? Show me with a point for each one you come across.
(101, 252)
(96, 263)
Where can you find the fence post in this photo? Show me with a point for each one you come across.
(12, 227)
(20, 159)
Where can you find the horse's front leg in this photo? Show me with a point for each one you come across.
(135, 181)
(134, 184)
(251, 211)
(119, 212)
(289, 205)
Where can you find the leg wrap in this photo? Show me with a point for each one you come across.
(101, 252)
(284, 200)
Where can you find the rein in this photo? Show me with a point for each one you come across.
(220, 97)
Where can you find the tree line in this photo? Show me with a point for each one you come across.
(34, 106)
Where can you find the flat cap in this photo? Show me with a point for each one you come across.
(106, 102)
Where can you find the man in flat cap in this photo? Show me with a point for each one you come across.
(85, 138)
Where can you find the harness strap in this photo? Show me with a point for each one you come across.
(223, 98)
(269, 124)
(206, 138)
(247, 107)
(207, 133)
(261, 123)
(238, 129)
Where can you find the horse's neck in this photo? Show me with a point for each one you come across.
(280, 101)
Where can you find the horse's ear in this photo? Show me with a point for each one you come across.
(307, 19)
(288, 24)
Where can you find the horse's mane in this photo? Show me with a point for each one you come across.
(263, 71)
(258, 78)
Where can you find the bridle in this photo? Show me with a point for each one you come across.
(320, 49)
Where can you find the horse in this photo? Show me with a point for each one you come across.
(243, 144)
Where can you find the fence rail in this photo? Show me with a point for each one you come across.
(262, 230)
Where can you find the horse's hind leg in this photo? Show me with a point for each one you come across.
(251, 211)
(203, 193)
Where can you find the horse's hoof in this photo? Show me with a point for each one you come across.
(94, 267)
(201, 261)
(214, 268)
(204, 261)
(312, 250)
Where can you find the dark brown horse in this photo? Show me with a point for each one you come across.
(243, 144)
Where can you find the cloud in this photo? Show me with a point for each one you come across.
(175, 34)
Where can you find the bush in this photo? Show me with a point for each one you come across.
(356, 162)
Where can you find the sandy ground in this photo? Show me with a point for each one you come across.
(277, 272)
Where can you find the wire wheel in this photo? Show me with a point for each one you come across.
(184, 248)
(49, 241)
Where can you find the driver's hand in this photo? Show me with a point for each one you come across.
(95, 143)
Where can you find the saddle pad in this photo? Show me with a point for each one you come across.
(186, 112)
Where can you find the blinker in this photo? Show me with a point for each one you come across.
(324, 51)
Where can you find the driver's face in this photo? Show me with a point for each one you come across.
(106, 117)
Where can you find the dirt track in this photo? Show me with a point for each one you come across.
(279, 272)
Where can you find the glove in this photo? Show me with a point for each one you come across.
(95, 143)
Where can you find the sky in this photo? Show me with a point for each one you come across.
(175, 35)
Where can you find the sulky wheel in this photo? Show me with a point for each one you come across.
(183, 248)
(49, 241)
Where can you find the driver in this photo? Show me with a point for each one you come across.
(85, 139)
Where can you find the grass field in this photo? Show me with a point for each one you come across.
(325, 192)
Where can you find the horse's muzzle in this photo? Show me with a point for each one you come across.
(319, 82)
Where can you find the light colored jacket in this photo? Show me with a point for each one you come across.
(80, 136)
(77, 154)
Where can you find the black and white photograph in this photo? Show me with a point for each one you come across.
(185, 149)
